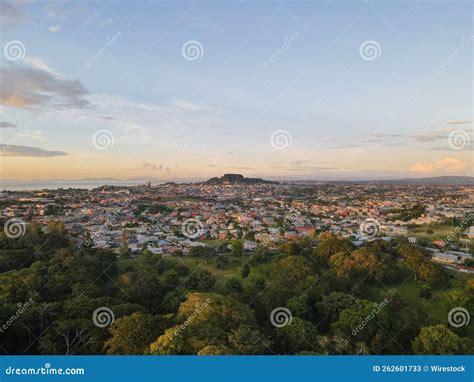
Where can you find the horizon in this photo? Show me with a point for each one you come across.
(178, 91)
(202, 179)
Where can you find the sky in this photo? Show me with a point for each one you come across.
(276, 89)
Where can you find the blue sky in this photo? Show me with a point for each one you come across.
(277, 89)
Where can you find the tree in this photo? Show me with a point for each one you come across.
(420, 264)
(233, 286)
(71, 337)
(245, 271)
(332, 304)
(439, 340)
(300, 335)
(206, 319)
(248, 341)
(364, 322)
(237, 248)
(215, 350)
(425, 292)
(260, 255)
(200, 279)
(298, 305)
(222, 262)
(132, 334)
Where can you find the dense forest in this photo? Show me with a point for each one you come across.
(318, 295)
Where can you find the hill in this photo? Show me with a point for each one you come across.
(236, 179)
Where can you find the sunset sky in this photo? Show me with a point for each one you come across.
(194, 89)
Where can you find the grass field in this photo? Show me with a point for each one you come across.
(438, 232)
(435, 307)
(221, 275)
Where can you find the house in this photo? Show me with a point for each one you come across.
(444, 258)
(470, 235)
(250, 245)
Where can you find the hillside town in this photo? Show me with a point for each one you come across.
(174, 218)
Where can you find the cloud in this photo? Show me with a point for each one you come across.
(11, 12)
(30, 86)
(152, 166)
(54, 28)
(107, 21)
(149, 165)
(428, 137)
(6, 125)
(459, 122)
(28, 151)
(445, 164)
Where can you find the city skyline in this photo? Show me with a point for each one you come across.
(192, 90)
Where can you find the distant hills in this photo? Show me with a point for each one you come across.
(437, 180)
(236, 179)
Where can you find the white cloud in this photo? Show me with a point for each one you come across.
(54, 28)
(105, 22)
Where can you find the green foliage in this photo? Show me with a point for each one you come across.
(438, 340)
(221, 304)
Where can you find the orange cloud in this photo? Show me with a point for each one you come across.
(445, 164)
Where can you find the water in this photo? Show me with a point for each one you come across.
(19, 185)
